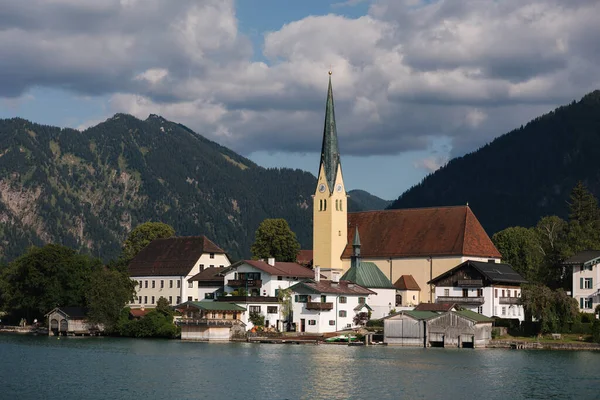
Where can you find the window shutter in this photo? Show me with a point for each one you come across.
(581, 302)
(581, 284)
(591, 283)
(296, 298)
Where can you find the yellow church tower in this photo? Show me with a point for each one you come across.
(330, 219)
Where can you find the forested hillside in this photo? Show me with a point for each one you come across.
(88, 189)
(367, 201)
(523, 175)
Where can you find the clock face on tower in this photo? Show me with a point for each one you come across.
(322, 187)
(339, 187)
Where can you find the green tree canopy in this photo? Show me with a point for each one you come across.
(554, 309)
(520, 247)
(141, 236)
(44, 278)
(274, 238)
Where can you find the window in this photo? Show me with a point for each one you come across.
(496, 293)
(301, 298)
(361, 300)
(446, 292)
(503, 310)
(162, 284)
(586, 268)
(221, 266)
(153, 284)
(341, 209)
(178, 284)
(320, 205)
(280, 278)
(190, 284)
(312, 322)
(255, 309)
(212, 255)
(146, 284)
(586, 283)
(178, 299)
(152, 299)
(189, 298)
(331, 322)
(140, 298)
(140, 284)
(209, 296)
(585, 302)
(323, 298)
(480, 293)
(212, 266)
(342, 313)
(516, 294)
(325, 205)
(343, 300)
(503, 294)
(271, 309)
(480, 309)
(465, 293)
(171, 284)
(508, 293)
(201, 267)
(145, 299)
(170, 299)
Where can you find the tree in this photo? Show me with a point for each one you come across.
(44, 278)
(554, 309)
(141, 236)
(361, 318)
(551, 232)
(164, 307)
(109, 291)
(274, 238)
(257, 319)
(520, 247)
(284, 296)
(583, 206)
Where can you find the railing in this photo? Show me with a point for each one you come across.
(244, 283)
(207, 321)
(470, 282)
(319, 306)
(248, 299)
(460, 300)
(510, 300)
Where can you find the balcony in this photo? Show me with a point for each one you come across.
(207, 322)
(469, 283)
(460, 300)
(510, 300)
(319, 306)
(248, 299)
(251, 283)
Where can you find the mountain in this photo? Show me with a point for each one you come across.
(88, 189)
(366, 201)
(522, 175)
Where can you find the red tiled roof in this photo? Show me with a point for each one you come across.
(281, 268)
(173, 256)
(138, 312)
(407, 282)
(437, 307)
(304, 257)
(420, 232)
(341, 287)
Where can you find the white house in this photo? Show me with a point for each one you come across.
(255, 285)
(209, 320)
(586, 279)
(165, 267)
(368, 275)
(488, 288)
(209, 283)
(322, 306)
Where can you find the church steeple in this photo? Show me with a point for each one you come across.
(330, 153)
(355, 258)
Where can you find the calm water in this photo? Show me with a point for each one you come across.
(105, 368)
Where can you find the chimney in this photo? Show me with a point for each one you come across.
(335, 276)
(271, 261)
(317, 273)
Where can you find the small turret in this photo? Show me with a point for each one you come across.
(355, 258)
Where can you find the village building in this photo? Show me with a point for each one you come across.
(255, 284)
(368, 275)
(422, 243)
(487, 288)
(209, 320)
(209, 282)
(462, 328)
(67, 321)
(407, 291)
(165, 267)
(322, 306)
(436, 307)
(585, 273)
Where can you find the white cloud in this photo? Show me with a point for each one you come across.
(405, 74)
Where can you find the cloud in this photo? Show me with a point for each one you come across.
(431, 164)
(406, 74)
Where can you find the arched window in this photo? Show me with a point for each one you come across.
(321, 205)
(325, 205)
(336, 205)
(341, 208)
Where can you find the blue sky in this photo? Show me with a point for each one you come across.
(415, 82)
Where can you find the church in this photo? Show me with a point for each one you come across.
(415, 244)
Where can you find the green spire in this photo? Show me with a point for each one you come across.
(330, 154)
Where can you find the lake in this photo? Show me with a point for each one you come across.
(112, 368)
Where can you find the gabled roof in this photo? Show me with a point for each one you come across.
(209, 275)
(435, 307)
(330, 287)
(494, 272)
(173, 256)
(473, 316)
(420, 232)
(418, 315)
(330, 153)
(406, 282)
(361, 306)
(210, 306)
(369, 275)
(304, 257)
(279, 269)
(583, 258)
(71, 312)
